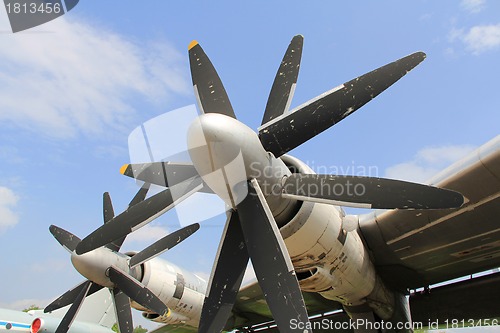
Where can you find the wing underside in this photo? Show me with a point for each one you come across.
(413, 249)
(429, 247)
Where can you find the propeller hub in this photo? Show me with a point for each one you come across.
(226, 153)
(94, 265)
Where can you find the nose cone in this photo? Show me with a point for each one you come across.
(220, 148)
(93, 265)
(214, 141)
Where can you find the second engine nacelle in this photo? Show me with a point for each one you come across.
(181, 291)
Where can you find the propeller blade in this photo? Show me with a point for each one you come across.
(70, 296)
(290, 130)
(123, 311)
(369, 192)
(285, 81)
(271, 261)
(136, 291)
(225, 281)
(208, 88)
(140, 196)
(65, 238)
(108, 214)
(73, 310)
(164, 244)
(165, 174)
(107, 207)
(136, 216)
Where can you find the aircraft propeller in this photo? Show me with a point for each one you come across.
(251, 231)
(137, 215)
(106, 267)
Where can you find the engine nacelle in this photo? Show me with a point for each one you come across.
(181, 291)
(328, 259)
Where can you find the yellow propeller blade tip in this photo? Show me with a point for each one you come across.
(192, 44)
(124, 168)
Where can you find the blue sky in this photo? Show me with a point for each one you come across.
(73, 89)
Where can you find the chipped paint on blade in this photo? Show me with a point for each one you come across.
(284, 115)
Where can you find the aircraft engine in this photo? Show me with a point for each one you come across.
(182, 292)
(330, 260)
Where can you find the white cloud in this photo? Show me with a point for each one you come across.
(478, 39)
(428, 162)
(68, 77)
(8, 200)
(473, 6)
(482, 38)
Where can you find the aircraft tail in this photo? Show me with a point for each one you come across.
(97, 309)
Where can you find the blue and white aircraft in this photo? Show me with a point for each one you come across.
(95, 316)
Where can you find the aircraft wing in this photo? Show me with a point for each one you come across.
(413, 248)
(251, 308)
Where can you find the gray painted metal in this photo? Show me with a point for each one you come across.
(284, 83)
(123, 311)
(373, 192)
(69, 317)
(108, 211)
(472, 299)
(65, 238)
(164, 244)
(135, 216)
(469, 300)
(69, 296)
(137, 291)
(225, 281)
(140, 196)
(286, 132)
(271, 260)
(108, 214)
(164, 174)
(415, 249)
(212, 97)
